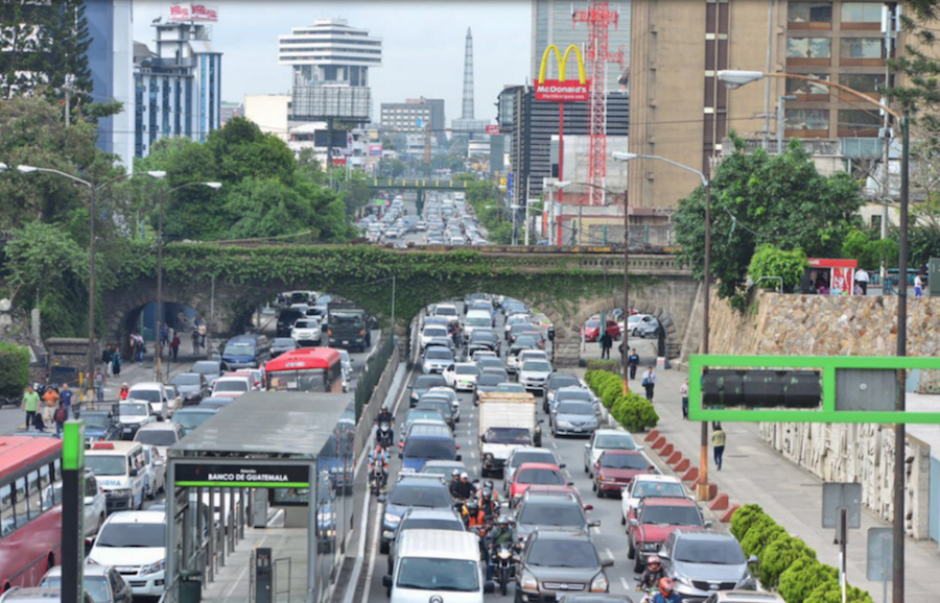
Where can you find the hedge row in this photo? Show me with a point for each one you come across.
(786, 563)
(632, 411)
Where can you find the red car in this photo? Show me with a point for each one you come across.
(615, 469)
(656, 519)
(535, 474)
(592, 329)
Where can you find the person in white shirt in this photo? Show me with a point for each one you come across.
(862, 279)
(649, 382)
(918, 286)
(684, 392)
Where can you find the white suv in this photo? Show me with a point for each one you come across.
(134, 542)
(307, 330)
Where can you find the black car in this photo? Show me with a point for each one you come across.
(282, 345)
(100, 425)
(485, 339)
(286, 320)
(422, 384)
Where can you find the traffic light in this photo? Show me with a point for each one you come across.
(761, 388)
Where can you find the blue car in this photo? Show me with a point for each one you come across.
(100, 426)
(408, 493)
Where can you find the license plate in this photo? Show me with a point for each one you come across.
(127, 430)
(578, 430)
(345, 342)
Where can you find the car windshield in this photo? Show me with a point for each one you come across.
(239, 349)
(423, 448)
(711, 551)
(532, 457)
(150, 395)
(235, 385)
(511, 388)
(435, 332)
(429, 381)
(191, 420)
(479, 321)
(458, 575)
(615, 441)
(553, 514)
(524, 342)
(102, 465)
(94, 421)
(541, 477)
(307, 324)
(440, 405)
(489, 381)
(658, 490)
(624, 461)
(575, 394)
(207, 368)
(446, 311)
(436, 353)
(592, 324)
(467, 370)
(186, 379)
(672, 516)
(95, 586)
(134, 410)
(482, 336)
(132, 535)
(575, 408)
(508, 435)
(451, 525)
(415, 495)
(539, 366)
(156, 437)
(551, 553)
(559, 381)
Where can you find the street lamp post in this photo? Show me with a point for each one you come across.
(734, 79)
(703, 489)
(92, 210)
(558, 185)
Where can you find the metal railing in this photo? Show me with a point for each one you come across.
(370, 377)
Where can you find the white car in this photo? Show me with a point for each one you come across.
(307, 331)
(607, 439)
(448, 311)
(231, 386)
(533, 355)
(154, 393)
(156, 470)
(133, 415)
(533, 374)
(160, 435)
(516, 319)
(462, 376)
(647, 486)
(432, 331)
(134, 542)
(452, 395)
(96, 502)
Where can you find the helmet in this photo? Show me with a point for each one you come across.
(455, 473)
(666, 586)
(473, 506)
(486, 493)
(503, 521)
(464, 475)
(488, 484)
(653, 560)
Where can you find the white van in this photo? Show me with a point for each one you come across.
(121, 471)
(477, 318)
(436, 565)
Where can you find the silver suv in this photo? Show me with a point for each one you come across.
(701, 562)
(559, 563)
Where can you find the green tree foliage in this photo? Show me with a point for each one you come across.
(802, 578)
(14, 369)
(870, 249)
(772, 261)
(634, 412)
(743, 519)
(758, 199)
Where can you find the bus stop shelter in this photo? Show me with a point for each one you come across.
(292, 451)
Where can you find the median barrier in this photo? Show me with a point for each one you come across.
(674, 458)
(691, 476)
(682, 466)
(652, 435)
(667, 450)
(720, 503)
(659, 443)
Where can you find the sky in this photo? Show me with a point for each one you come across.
(422, 45)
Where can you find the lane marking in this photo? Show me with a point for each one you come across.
(626, 585)
(609, 552)
(372, 554)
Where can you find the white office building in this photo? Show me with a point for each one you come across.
(178, 87)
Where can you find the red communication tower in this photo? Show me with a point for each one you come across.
(598, 18)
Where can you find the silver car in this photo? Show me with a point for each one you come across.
(559, 563)
(574, 417)
(701, 562)
(104, 583)
(534, 373)
(436, 360)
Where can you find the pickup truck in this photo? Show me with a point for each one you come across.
(507, 421)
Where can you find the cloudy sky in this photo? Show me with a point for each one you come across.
(422, 44)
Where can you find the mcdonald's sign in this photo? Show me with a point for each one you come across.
(562, 90)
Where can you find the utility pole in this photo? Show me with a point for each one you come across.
(67, 88)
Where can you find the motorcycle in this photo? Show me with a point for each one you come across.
(503, 566)
(384, 435)
(377, 479)
(649, 594)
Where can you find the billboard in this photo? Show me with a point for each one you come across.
(321, 138)
(375, 150)
(562, 90)
(194, 12)
(492, 129)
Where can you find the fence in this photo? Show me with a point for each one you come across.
(373, 371)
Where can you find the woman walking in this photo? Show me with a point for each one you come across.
(649, 382)
(718, 445)
(116, 363)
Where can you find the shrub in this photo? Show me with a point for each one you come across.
(831, 592)
(802, 578)
(779, 555)
(634, 412)
(603, 365)
(773, 261)
(14, 370)
(762, 532)
(610, 391)
(743, 518)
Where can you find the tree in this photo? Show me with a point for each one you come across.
(769, 261)
(780, 200)
(870, 249)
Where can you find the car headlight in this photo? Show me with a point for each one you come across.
(599, 584)
(153, 568)
(563, 423)
(121, 492)
(392, 520)
(528, 582)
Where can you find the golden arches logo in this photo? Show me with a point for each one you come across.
(562, 60)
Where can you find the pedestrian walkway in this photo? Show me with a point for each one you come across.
(754, 473)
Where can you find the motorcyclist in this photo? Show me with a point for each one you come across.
(502, 534)
(488, 505)
(475, 516)
(652, 574)
(385, 416)
(667, 592)
(384, 419)
(462, 489)
(379, 455)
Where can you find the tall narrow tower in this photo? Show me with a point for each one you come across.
(467, 111)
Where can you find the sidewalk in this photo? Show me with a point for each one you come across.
(754, 473)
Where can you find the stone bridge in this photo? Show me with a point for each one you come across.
(225, 284)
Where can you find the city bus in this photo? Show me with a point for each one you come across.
(306, 370)
(30, 523)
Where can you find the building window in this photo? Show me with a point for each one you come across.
(854, 119)
(862, 12)
(861, 48)
(875, 223)
(806, 119)
(809, 12)
(808, 88)
(154, 92)
(809, 48)
(863, 82)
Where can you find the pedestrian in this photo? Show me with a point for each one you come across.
(116, 363)
(66, 396)
(633, 360)
(30, 405)
(107, 357)
(606, 343)
(196, 340)
(622, 347)
(124, 392)
(684, 392)
(99, 386)
(60, 416)
(862, 279)
(918, 286)
(164, 337)
(51, 404)
(718, 444)
(175, 346)
(649, 382)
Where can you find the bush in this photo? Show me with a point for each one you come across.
(634, 412)
(763, 531)
(801, 579)
(779, 555)
(610, 391)
(772, 261)
(611, 366)
(14, 370)
(743, 518)
(831, 592)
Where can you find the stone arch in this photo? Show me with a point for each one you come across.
(644, 303)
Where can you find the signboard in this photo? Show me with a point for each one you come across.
(562, 90)
(241, 475)
(492, 129)
(375, 150)
(194, 12)
(880, 554)
(838, 495)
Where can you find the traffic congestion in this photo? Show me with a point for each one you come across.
(446, 220)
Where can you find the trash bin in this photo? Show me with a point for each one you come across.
(190, 586)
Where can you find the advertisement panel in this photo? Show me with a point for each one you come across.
(195, 12)
(375, 150)
(562, 90)
(492, 129)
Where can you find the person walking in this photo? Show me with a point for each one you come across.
(862, 279)
(66, 396)
(107, 357)
(684, 392)
(175, 346)
(633, 361)
(60, 416)
(51, 404)
(30, 405)
(919, 286)
(164, 338)
(116, 363)
(649, 382)
(99, 386)
(606, 343)
(718, 444)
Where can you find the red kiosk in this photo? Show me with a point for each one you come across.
(829, 277)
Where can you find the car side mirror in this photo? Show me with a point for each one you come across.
(483, 438)
(587, 446)
(594, 523)
(458, 458)
(570, 483)
(132, 473)
(652, 467)
(607, 563)
(382, 499)
(588, 507)
(708, 524)
(562, 466)
(752, 559)
(640, 448)
(663, 554)
(387, 581)
(540, 421)
(488, 587)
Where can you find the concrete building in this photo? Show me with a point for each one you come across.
(230, 110)
(680, 110)
(414, 115)
(552, 24)
(271, 112)
(111, 61)
(178, 88)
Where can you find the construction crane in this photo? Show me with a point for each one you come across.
(599, 18)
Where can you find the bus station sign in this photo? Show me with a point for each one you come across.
(241, 475)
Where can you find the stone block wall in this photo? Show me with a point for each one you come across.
(792, 325)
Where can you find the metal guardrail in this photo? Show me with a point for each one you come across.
(370, 377)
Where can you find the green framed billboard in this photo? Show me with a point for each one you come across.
(803, 389)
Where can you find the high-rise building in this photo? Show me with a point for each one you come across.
(414, 115)
(680, 110)
(552, 23)
(467, 126)
(178, 88)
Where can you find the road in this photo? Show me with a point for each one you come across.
(609, 538)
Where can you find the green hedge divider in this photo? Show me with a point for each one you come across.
(634, 412)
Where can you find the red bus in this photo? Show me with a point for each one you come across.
(30, 519)
(305, 370)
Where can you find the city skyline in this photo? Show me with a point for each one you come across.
(432, 38)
